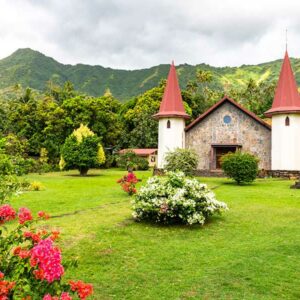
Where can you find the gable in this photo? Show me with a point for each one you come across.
(222, 102)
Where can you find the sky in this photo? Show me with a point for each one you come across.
(135, 34)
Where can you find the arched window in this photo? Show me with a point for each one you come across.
(287, 121)
(169, 124)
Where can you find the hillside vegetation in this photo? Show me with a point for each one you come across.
(33, 69)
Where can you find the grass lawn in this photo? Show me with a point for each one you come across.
(251, 252)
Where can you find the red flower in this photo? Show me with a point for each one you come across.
(43, 215)
(36, 237)
(83, 289)
(24, 215)
(7, 213)
(54, 235)
(21, 252)
(5, 287)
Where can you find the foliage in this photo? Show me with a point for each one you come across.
(128, 183)
(30, 261)
(175, 199)
(10, 185)
(11, 161)
(240, 166)
(81, 151)
(101, 155)
(131, 160)
(185, 160)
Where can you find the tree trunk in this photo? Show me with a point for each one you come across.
(83, 171)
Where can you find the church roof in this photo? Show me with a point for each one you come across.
(172, 104)
(221, 102)
(287, 98)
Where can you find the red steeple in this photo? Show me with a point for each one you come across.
(287, 98)
(172, 104)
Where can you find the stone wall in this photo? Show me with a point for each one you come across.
(284, 174)
(243, 130)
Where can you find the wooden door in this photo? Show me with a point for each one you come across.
(220, 151)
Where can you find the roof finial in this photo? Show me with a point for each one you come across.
(286, 39)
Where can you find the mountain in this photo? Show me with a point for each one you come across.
(33, 69)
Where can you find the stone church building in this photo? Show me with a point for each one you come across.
(227, 127)
(224, 128)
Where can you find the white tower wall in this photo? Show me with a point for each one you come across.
(169, 138)
(286, 142)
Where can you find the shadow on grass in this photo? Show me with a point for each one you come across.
(86, 176)
(210, 221)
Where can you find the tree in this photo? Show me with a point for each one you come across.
(82, 150)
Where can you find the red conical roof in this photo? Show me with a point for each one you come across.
(287, 98)
(172, 104)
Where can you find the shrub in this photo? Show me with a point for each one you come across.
(82, 150)
(241, 167)
(31, 263)
(36, 186)
(175, 199)
(128, 183)
(184, 160)
(10, 185)
(133, 161)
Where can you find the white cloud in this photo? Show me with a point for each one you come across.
(142, 33)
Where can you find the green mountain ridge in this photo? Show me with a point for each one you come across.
(33, 69)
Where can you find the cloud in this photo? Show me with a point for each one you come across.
(135, 34)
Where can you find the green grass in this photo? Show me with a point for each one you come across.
(251, 252)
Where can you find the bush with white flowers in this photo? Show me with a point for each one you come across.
(175, 198)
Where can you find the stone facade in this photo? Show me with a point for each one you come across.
(238, 130)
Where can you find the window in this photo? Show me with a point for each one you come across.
(153, 159)
(287, 121)
(227, 119)
(169, 124)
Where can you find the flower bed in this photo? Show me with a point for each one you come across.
(175, 199)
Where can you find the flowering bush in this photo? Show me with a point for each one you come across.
(30, 263)
(175, 199)
(128, 183)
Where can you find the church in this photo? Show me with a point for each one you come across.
(227, 127)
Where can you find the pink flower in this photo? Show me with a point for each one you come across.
(65, 296)
(24, 215)
(7, 213)
(48, 260)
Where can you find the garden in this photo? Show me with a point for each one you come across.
(122, 233)
(249, 252)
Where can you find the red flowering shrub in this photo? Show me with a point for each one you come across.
(31, 262)
(128, 183)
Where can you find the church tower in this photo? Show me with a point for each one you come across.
(285, 114)
(171, 118)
